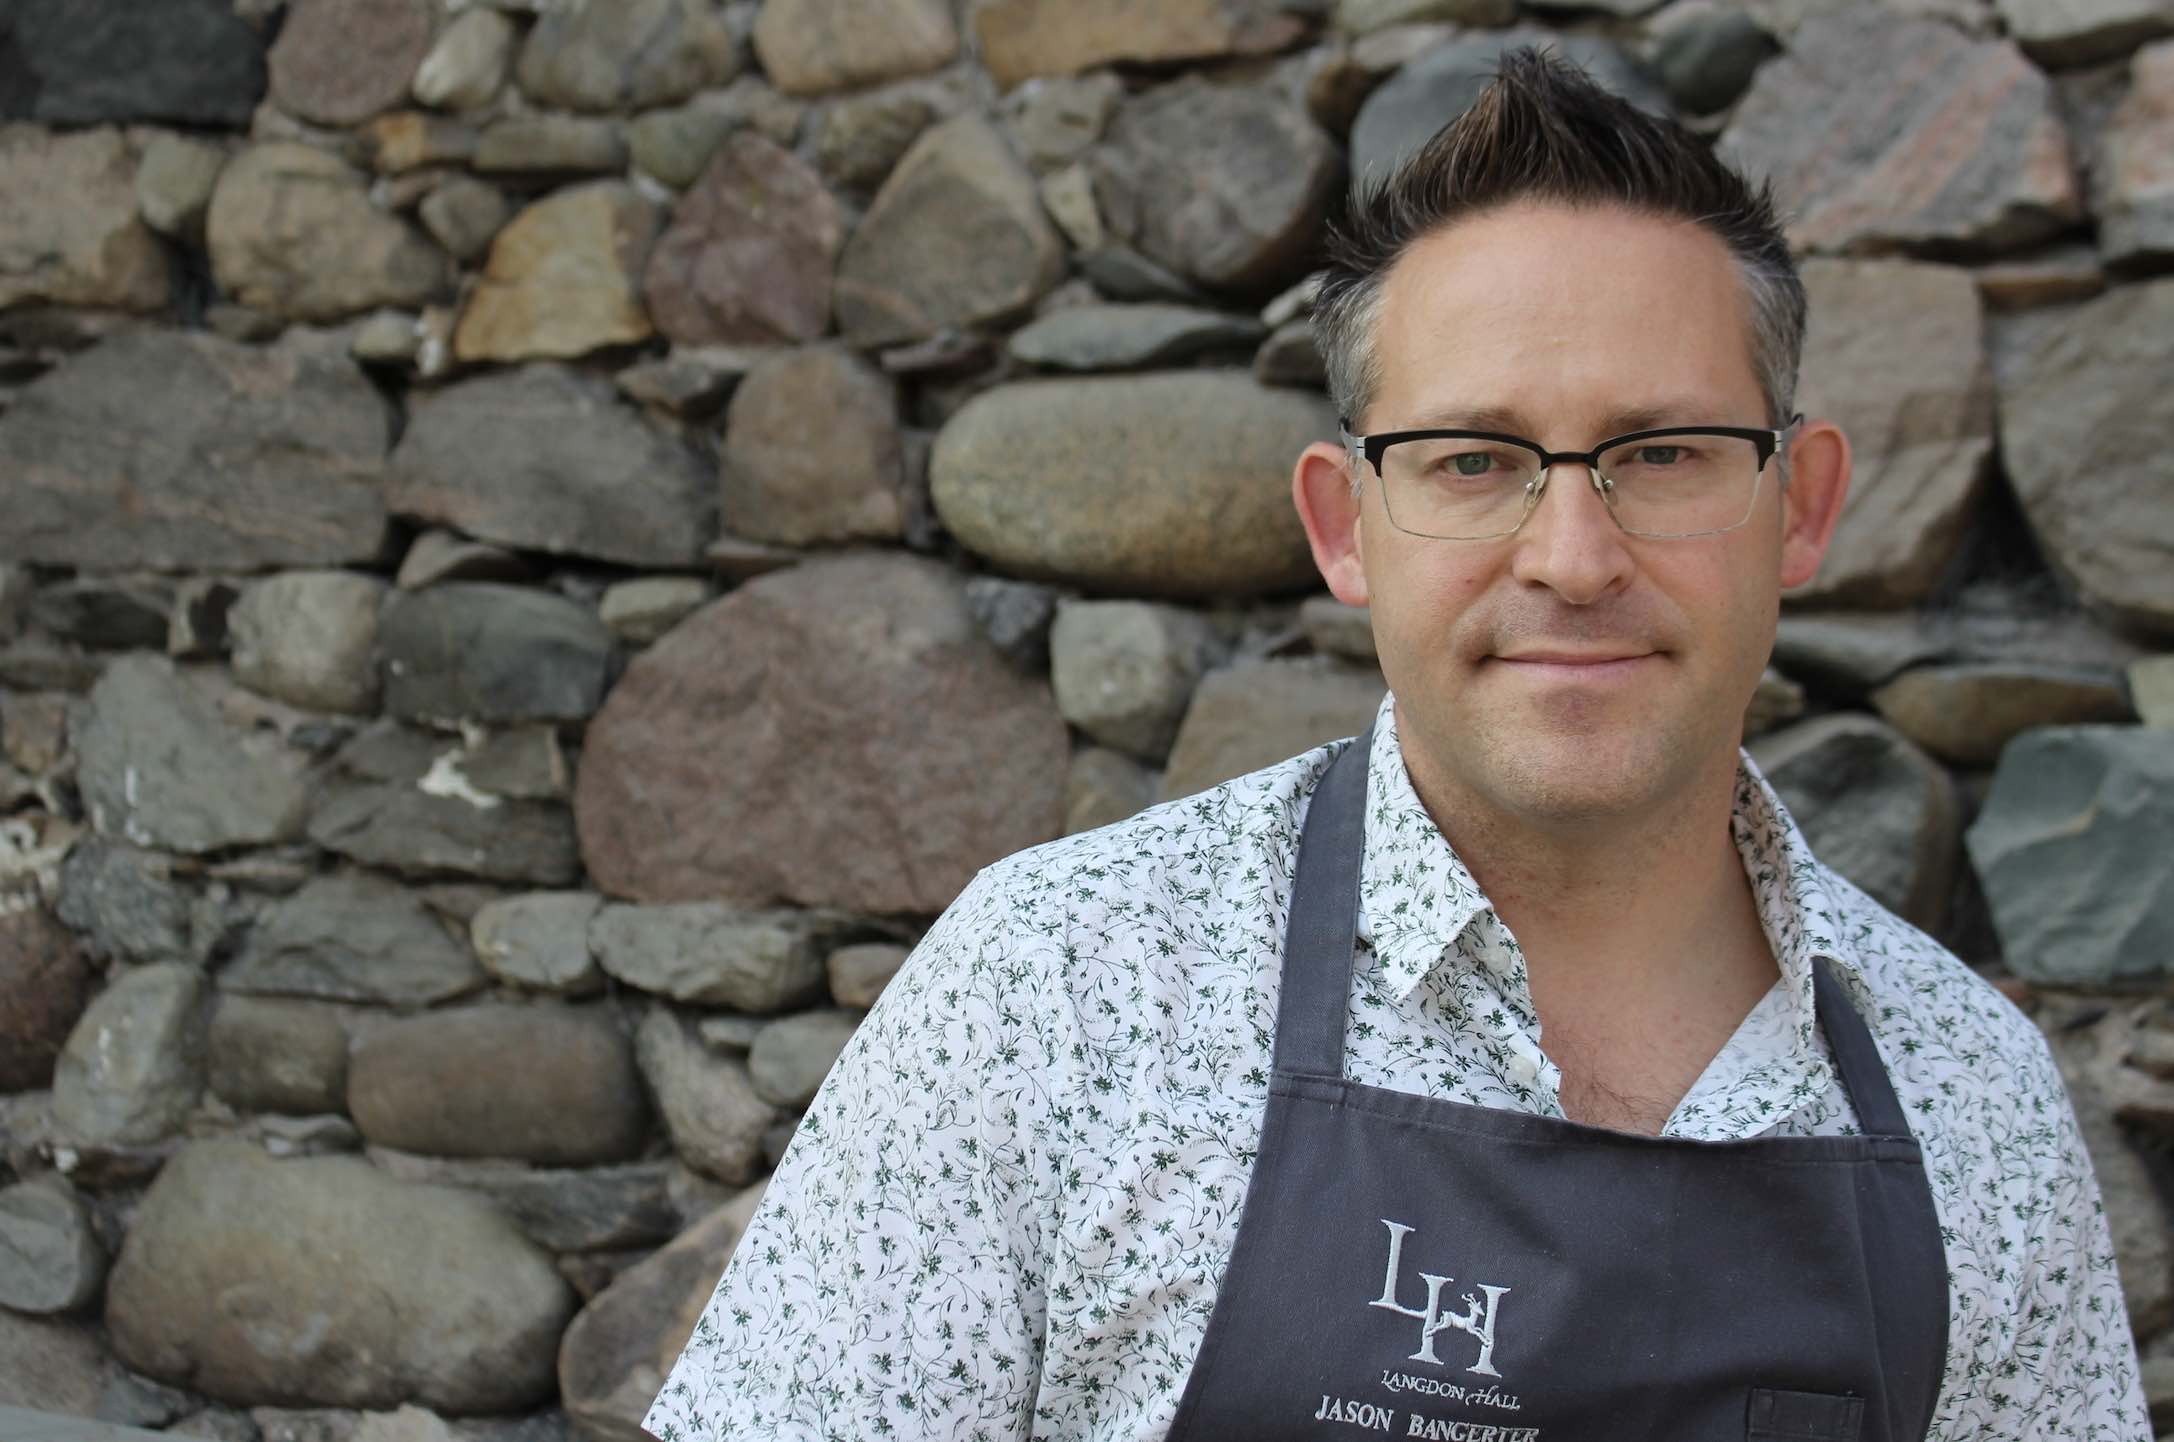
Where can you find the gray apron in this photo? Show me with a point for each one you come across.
(1414, 1268)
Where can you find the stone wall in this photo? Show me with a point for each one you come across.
(540, 543)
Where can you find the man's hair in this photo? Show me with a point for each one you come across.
(1544, 130)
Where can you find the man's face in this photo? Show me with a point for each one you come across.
(1571, 672)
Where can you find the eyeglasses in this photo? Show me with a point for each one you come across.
(1666, 484)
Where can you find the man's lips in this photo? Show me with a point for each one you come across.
(1586, 666)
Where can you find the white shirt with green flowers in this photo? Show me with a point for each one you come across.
(1007, 1212)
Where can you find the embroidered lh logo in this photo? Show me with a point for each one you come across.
(1477, 1320)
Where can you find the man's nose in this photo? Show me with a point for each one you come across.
(1571, 543)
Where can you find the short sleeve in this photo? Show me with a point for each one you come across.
(890, 1283)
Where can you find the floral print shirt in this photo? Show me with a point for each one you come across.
(1008, 1211)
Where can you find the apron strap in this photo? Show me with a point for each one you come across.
(1312, 1011)
(1324, 917)
(1856, 1058)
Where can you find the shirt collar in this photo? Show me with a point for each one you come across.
(1417, 899)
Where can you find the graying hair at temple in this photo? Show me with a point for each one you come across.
(1545, 130)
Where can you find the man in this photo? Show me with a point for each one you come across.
(1515, 1071)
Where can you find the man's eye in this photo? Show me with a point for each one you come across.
(1659, 455)
(1470, 463)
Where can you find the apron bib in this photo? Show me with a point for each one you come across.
(1415, 1268)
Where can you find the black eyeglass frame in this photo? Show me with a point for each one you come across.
(1767, 442)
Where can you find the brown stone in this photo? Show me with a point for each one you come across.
(339, 62)
(1104, 787)
(70, 233)
(551, 146)
(1225, 185)
(1881, 133)
(562, 278)
(812, 451)
(808, 47)
(957, 237)
(277, 1054)
(1256, 714)
(2059, 33)
(938, 757)
(2083, 410)
(2134, 177)
(626, 55)
(437, 1084)
(617, 1353)
(1966, 714)
(45, 982)
(2045, 277)
(1895, 352)
(1021, 39)
(411, 139)
(858, 973)
(292, 231)
(748, 254)
(172, 451)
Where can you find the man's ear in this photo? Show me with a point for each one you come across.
(1812, 502)
(1321, 489)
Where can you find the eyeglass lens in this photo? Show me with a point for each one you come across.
(1460, 488)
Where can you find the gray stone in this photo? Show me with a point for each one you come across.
(1104, 787)
(563, 278)
(675, 144)
(2067, 33)
(808, 47)
(2137, 1219)
(1174, 484)
(466, 64)
(1846, 126)
(443, 825)
(131, 1400)
(858, 973)
(955, 238)
(439, 555)
(1706, 52)
(1967, 713)
(197, 629)
(1853, 652)
(174, 181)
(1226, 186)
(522, 763)
(166, 451)
(1256, 713)
(546, 458)
(1361, 17)
(475, 651)
(124, 903)
(50, 1257)
(464, 214)
(567, 1211)
(1123, 671)
(621, 1348)
(188, 62)
(49, 1363)
(747, 257)
(321, 1281)
(640, 611)
(45, 982)
(1289, 357)
(709, 1105)
(339, 62)
(1015, 616)
(1336, 629)
(1128, 337)
(277, 1055)
(2151, 687)
(1122, 273)
(292, 231)
(1917, 400)
(1435, 89)
(2080, 413)
(1053, 122)
(2133, 179)
(688, 787)
(813, 454)
(551, 145)
(1873, 806)
(159, 768)
(2049, 276)
(2073, 846)
(692, 383)
(134, 1065)
(352, 938)
(540, 941)
(34, 730)
(1776, 701)
(309, 638)
(104, 612)
(626, 56)
(714, 954)
(1022, 39)
(436, 1084)
(39, 663)
(730, 1035)
(1069, 197)
(77, 239)
(861, 137)
(793, 1054)
(388, 338)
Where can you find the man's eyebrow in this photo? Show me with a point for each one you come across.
(1511, 421)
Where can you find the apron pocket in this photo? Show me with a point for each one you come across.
(1779, 1416)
